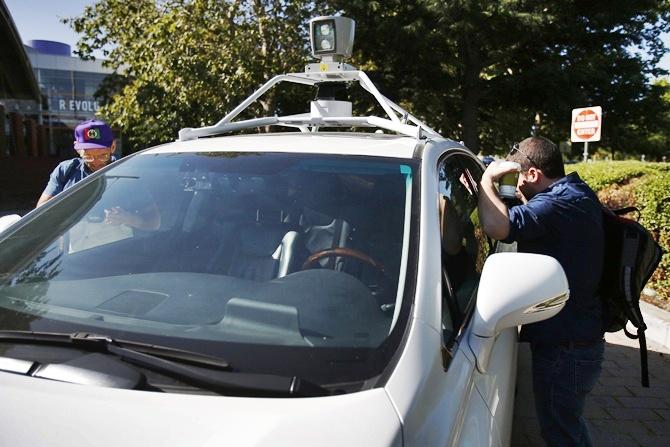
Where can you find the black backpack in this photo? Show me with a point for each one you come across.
(631, 256)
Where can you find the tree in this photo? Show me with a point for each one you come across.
(482, 71)
(654, 124)
(187, 63)
(488, 68)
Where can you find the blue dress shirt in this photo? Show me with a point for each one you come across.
(565, 222)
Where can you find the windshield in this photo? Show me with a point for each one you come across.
(279, 263)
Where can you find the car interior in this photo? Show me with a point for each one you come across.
(235, 250)
(261, 228)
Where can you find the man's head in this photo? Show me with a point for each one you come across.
(95, 144)
(541, 164)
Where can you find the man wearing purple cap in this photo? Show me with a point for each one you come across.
(95, 143)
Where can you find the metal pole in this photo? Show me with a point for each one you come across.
(367, 84)
(258, 93)
(586, 151)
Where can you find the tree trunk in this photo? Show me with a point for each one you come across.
(268, 101)
(471, 93)
(469, 119)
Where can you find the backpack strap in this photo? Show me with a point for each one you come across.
(644, 364)
(630, 247)
(626, 210)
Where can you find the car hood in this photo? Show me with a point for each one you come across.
(43, 412)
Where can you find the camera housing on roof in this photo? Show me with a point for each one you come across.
(332, 37)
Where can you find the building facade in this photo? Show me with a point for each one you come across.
(68, 86)
(23, 169)
(44, 94)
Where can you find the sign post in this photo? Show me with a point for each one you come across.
(587, 124)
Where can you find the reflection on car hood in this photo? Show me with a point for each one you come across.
(328, 302)
(42, 412)
(296, 142)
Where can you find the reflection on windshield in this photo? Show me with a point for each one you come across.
(266, 249)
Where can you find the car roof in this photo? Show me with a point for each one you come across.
(344, 143)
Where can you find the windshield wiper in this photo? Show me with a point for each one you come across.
(102, 343)
(207, 372)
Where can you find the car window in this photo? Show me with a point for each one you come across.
(464, 245)
(119, 217)
(299, 251)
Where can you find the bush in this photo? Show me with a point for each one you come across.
(601, 174)
(650, 193)
(653, 199)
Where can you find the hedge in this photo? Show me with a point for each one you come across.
(651, 194)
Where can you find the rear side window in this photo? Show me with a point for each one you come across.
(464, 245)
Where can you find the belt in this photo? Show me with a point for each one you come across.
(579, 344)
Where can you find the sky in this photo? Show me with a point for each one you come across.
(665, 62)
(40, 19)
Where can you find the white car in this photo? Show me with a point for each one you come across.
(293, 289)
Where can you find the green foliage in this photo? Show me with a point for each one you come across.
(187, 63)
(653, 197)
(651, 194)
(480, 71)
(599, 175)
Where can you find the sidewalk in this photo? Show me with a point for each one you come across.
(620, 411)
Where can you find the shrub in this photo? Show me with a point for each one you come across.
(653, 199)
(605, 173)
(651, 194)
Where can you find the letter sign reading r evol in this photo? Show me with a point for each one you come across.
(587, 123)
(76, 105)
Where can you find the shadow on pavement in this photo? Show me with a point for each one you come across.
(620, 411)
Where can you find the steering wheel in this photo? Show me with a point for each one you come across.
(343, 252)
(349, 253)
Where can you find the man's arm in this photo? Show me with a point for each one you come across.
(44, 198)
(56, 182)
(493, 213)
(148, 219)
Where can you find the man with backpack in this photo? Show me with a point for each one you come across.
(95, 144)
(560, 217)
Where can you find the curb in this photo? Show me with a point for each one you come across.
(658, 323)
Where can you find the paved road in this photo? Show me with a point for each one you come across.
(620, 412)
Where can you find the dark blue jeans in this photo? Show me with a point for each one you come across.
(562, 378)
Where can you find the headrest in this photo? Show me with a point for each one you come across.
(262, 240)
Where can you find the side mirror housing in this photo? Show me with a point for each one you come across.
(515, 289)
(8, 221)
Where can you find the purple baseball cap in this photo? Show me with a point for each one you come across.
(93, 134)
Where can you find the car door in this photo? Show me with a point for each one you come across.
(464, 251)
(440, 397)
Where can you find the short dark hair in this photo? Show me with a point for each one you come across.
(541, 153)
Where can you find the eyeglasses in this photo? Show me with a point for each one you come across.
(515, 147)
(101, 157)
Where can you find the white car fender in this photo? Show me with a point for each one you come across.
(38, 412)
(436, 407)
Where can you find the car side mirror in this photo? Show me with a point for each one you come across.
(8, 221)
(514, 289)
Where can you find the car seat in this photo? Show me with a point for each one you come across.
(262, 252)
(321, 236)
